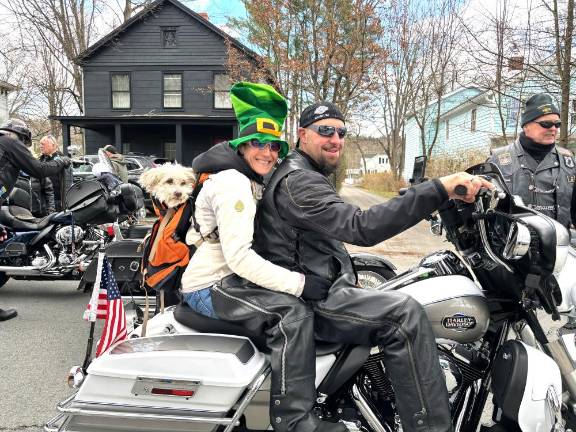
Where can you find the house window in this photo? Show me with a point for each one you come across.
(169, 37)
(222, 91)
(172, 90)
(473, 120)
(170, 150)
(447, 130)
(121, 91)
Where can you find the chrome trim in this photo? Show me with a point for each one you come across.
(366, 411)
(31, 270)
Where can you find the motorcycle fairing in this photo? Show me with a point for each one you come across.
(522, 378)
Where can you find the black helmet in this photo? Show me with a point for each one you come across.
(19, 128)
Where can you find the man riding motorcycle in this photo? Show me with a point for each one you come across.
(302, 223)
(15, 138)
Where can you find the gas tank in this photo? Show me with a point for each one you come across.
(455, 306)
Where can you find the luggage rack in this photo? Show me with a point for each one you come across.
(70, 408)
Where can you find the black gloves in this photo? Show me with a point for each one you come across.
(315, 287)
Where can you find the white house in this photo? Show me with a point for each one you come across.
(5, 88)
(378, 163)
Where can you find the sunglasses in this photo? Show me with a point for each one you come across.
(261, 145)
(546, 124)
(328, 131)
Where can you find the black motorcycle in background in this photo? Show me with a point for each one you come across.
(62, 244)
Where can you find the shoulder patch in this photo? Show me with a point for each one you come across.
(505, 158)
(239, 206)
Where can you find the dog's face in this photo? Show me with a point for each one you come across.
(171, 184)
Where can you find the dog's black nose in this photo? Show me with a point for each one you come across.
(177, 194)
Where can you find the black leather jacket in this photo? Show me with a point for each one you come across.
(61, 181)
(41, 194)
(302, 221)
(15, 156)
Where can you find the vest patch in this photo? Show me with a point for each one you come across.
(505, 158)
(570, 178)
(569, 161)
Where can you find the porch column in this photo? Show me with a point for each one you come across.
(118, 137)
(65, 137)
(179, 150)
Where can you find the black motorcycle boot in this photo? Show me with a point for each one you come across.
(6, 314)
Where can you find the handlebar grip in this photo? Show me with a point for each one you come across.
(461, 190)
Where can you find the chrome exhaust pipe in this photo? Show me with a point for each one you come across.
(31, 270)
(367, 412)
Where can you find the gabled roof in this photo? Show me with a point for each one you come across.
(94, 48)
(447, 96)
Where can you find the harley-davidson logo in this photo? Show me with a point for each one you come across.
(459, 322)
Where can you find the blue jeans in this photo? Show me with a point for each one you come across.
(201, 302)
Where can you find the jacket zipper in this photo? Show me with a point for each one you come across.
(264, 311)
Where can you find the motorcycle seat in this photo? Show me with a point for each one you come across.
(190, 318)
(20, 218)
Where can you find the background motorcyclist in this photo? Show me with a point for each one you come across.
(302, 224)
(61, 181)
(534, 167)
(15, 138)
(118, 163)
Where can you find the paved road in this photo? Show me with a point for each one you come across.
(37, 349)
(405, 249)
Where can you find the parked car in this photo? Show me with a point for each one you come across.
(81, 170)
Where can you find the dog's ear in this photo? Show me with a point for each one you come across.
(149, 178)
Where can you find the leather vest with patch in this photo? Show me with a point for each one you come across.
(546, 186)
(293, 248)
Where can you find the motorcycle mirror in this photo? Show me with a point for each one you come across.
(419, 170)
(517, 243)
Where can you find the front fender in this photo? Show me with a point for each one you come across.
(369, 259)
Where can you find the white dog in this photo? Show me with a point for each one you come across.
(171, 184)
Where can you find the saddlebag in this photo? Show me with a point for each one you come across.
(124, 257)
(199, 373)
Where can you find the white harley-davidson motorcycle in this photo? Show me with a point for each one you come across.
(192, 373)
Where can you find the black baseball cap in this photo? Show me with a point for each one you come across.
(319, 111)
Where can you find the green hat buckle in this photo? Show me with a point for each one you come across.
(261, 112)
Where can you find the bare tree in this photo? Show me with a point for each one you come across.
(436, 68)
(65, 27)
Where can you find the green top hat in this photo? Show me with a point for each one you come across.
(261, 112)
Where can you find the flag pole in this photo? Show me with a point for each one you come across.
(93, 310)
(89, 347)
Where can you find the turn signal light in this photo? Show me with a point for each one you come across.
(172, 392)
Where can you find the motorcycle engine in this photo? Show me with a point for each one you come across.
(64, 235)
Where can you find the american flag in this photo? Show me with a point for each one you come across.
(106, 303)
